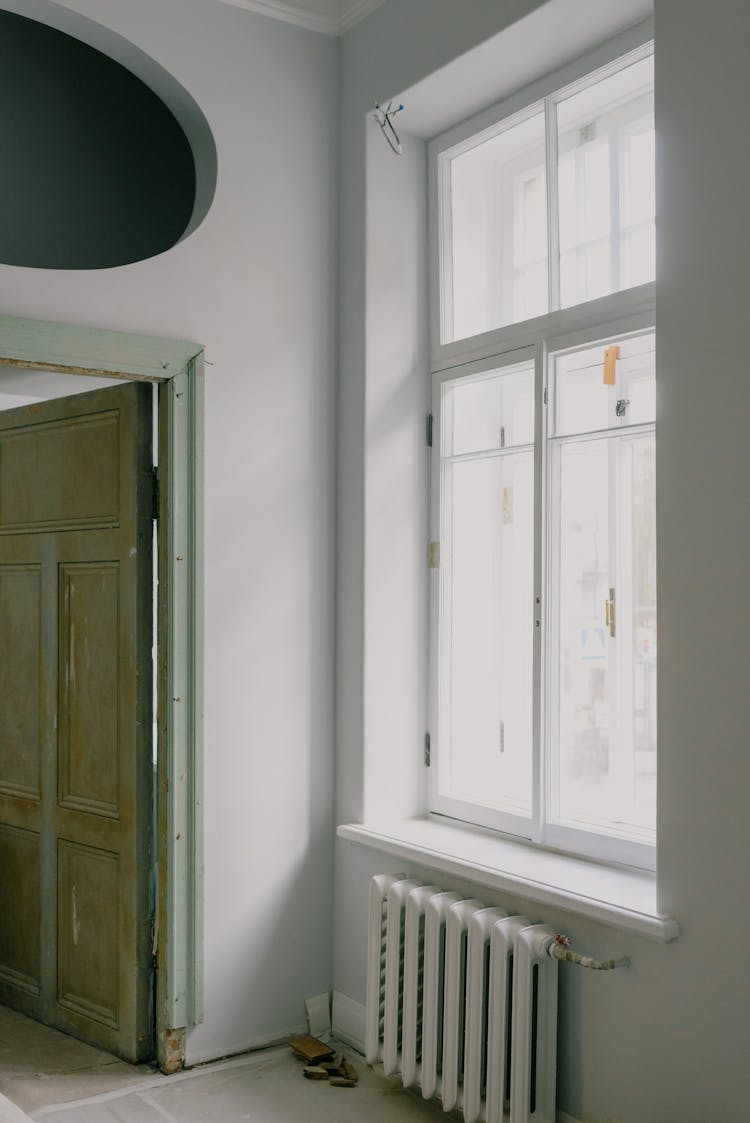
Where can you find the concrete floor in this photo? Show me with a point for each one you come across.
(48, 1076)
(39, 1066)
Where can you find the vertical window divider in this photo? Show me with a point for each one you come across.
(445, 249)
(553, 209)
(614, 206)
(434, 455)
(539, 607)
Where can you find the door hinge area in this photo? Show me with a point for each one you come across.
(429, 430)
(427, 748)
(154, 493)
(433, 555)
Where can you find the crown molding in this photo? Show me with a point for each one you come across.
(336, 22)
(356, 12)
(324, 22)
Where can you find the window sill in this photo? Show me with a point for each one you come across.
(622, 898)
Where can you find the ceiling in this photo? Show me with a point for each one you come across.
(332, 17)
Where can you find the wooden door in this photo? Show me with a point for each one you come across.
(75, 716)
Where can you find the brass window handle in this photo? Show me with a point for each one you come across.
(609, 613)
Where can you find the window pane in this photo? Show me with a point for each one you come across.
(491, 413)
(486, 599)
(584, 403)
(582, 763)
(603, 751)
(498, 231)
(606, 185)
(642, 625)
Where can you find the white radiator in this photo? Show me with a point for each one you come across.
(462, 1002)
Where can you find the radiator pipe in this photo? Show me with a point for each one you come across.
(559, 947)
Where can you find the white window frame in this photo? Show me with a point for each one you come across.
(612, 317)
(450, 806)
(623, 50)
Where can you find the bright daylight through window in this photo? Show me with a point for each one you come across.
(544, 607)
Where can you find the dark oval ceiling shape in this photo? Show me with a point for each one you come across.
(95, 170)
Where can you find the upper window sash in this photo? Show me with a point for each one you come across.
(541, 97)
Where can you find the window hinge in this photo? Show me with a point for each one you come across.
(155, 493)
(546, 395)
(433, 555)
(429, 430)
(427, 750)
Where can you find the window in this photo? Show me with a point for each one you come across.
(544, 606)
(518, 240)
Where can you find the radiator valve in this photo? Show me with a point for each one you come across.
(560, 947)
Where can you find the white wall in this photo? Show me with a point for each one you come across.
(667, 1040)
(255, 284)
(396, 406)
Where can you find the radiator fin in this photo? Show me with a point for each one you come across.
(462, 1002)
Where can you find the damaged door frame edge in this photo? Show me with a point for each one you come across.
(179, 990)
(178, 367)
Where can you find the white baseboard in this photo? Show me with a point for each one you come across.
(349, 1021)
(249, 1045)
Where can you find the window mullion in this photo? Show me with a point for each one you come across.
(613, 139)
(445, 250)
(615, 738)
(553, 209)
(539, 607)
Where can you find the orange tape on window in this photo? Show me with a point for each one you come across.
(611, 355)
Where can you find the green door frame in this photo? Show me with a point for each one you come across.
(177, 367)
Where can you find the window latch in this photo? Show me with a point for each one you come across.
(622, 407)
(609, 613)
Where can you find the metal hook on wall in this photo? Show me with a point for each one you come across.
(384, 118)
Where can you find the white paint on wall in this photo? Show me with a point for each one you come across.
(668, 1039)
(396, 476)
(255, 283)
(536, 45)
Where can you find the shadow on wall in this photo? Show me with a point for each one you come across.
(98, 168)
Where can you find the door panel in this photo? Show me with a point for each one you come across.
(20, 959)
(88, 886)
(88, 740)
(20, 655)
(75, 716)
(46, 481)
